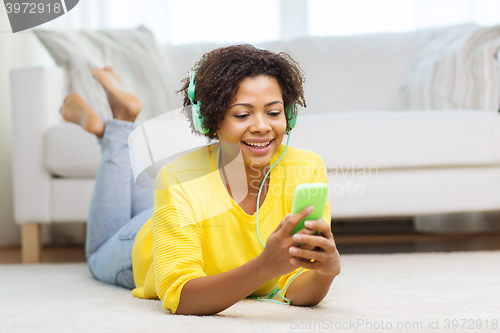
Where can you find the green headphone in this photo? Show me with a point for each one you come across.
(198, 119)
(195, 107)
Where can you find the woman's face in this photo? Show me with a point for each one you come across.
(255, 120)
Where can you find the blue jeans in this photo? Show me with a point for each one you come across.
(118, 210)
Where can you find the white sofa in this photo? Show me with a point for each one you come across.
(381, 161)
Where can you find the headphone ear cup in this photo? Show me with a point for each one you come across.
(191, 87)
(293, 120)
(197, 120)
(195, 112)
(195, 107)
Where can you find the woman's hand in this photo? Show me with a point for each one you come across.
(305, 231)
(276, 257)
(326, 257)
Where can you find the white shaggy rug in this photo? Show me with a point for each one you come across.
(436, 292)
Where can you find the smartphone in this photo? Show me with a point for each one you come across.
(313, 194)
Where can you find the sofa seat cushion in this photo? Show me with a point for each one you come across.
(380, 139)
(401, 139)
(71, 152)
(413, 192)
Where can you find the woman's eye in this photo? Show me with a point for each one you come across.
(241, 116)
(275, 114)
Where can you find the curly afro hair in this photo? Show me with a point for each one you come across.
(219, 73)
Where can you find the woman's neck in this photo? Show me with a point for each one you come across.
(255, 177)
(234, 179)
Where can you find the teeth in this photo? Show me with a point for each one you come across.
(257, 145)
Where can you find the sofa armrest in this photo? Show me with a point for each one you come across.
(37, 94)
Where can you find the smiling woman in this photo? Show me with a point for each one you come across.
(203, 261)
(200, 247)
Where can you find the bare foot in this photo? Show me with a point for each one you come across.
(123, 105)
(77, 111)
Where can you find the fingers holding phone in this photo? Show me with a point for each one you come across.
(276, 256)
(306, 231)
(325, 258)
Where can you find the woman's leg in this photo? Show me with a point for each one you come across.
(127, 107)
(112, 225)
(118, 208)
(111, 205)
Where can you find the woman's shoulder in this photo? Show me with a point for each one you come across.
(193, 164)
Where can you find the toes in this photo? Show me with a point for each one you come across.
(111, 71)
(96, 73)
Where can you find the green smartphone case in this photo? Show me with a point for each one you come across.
(313, 194)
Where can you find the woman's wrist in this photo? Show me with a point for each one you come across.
(263, 272)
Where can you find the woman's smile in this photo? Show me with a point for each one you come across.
(257, 147)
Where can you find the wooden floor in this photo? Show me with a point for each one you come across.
(369, 237)
(416, 243)
(12, 255)
(400, 237)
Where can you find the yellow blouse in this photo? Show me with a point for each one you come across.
(197, 229)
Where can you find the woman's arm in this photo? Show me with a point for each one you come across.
(212, 294)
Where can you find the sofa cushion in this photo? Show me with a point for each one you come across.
(401, 139)
(410, 192)
(455, 69)
(133, 54)
(354, 73)
(71, 152)
(345, 140)
(342, 73)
